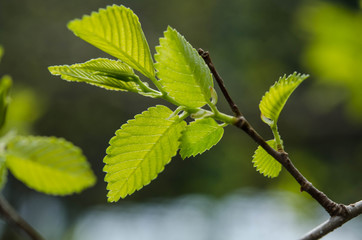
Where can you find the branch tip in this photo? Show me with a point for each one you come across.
(202, 53)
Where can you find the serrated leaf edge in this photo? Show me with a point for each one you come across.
(139, 67)
(67, 145)
(207, 149)
(293, 79)
(163, 167)
(207, 94)
(258, 168)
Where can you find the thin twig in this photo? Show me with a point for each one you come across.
(339, 213)
(330, 206)
(334, 222)
(206, 56)
(15, 219)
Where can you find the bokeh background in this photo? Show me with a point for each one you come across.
(217, 195)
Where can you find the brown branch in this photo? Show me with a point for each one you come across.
(331, 207)
(339, 213)
(15, 219)
(334, 222)
(220, 82)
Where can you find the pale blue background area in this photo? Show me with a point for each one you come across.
(242, 215)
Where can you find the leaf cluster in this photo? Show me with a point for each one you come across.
(143, 146)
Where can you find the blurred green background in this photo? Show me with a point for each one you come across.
(252, 43)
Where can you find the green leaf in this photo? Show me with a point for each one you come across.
(49, 165)
(117, 31)
(274, 100)
(200, 136)
(140, 150)
(183, 73)
(3, 172)
(265, 163)
(101, 72)
(5, 85)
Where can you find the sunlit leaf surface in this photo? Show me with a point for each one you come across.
(266, 164)
(182, 71)
(274, 100)
(101, 72)
(200, 136)
(117, 31)
(49, 165)
(140, 150)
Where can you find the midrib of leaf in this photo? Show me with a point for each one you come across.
(134, 48)
(185, 63)
(186, 74)
(48, 153)
(194, 87)
(56, 166)
(208, 132)
(144, 156)
(117, 31)
(199, 136)
(41, 179)
(182, 72)
(104, 73)
(274, 100)
(53, 167)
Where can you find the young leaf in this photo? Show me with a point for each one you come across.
(49, 165)
(182, 71)
(274, 100)
(265, 163)
(5, 85)
(140, 150)
(101, 72)
(200, 136)
(117, 31)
